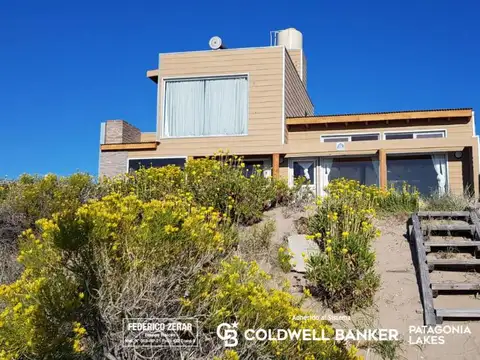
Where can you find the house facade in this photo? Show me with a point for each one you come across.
(254, 102)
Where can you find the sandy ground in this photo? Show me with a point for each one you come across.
(397, 303)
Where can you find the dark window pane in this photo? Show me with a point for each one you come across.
(362, 170)
(416, 171)
(135, 164)
(399, 136)
(251, 167)
(429, 135)
(335, 139)
(366, 137)
(304, 169)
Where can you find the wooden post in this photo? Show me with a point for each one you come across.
(382, 157)
(276, 165)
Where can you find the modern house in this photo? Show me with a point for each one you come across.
(254, 102)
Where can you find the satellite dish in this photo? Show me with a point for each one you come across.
(216, 43)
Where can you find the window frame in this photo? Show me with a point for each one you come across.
(415, 133)
(348, 136)
(153, 158)
(291, 172)
(167, 79)
(267, 165)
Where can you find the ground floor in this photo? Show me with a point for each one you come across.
(436, 172)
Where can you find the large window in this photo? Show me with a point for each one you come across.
(135, 164)
(206, 107)
(364, 170)
(427, 173)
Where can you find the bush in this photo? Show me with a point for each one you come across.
(285, 257)
(392, 201)
(447, 202)
(88, 268)
(217, 182)
(342, 272)
(238, 292)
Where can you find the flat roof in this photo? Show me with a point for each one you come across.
(381, 116)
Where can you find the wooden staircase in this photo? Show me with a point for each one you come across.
(458, 249)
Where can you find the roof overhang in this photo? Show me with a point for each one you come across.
(385, 116)
(151, 145)
(153, 75)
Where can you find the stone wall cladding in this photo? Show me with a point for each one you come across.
(121, 132)
(113, 163)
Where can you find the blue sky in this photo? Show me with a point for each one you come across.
(67, 66)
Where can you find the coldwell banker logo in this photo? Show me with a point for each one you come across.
(228, 333)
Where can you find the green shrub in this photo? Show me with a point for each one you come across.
(394, 202)
(285, 257)
(342, 273)
(447, 202)
(218, 182)
(238, 292)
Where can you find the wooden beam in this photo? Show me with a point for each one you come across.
(457, 313)
(132, 146)
(421, 257)
(394, 116)
(276, 165)
(456, 286)
(382, 157)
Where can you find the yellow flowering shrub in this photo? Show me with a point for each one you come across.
(284, 256)
(218, 181)
(342, 273)
(74, 252)
(239, 292)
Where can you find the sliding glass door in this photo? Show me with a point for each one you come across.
(426, 173)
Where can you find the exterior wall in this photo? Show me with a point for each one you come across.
(120, 131)
(264, 67)
(455, 174)
(112, 163)
(148, 136)
(459, 138)
(457, 129)
(298, 60)
(297, 101)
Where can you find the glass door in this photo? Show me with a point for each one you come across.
(304, 168)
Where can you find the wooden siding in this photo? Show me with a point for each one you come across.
(148, 136)
(455, 174)
(296, 57)
(456, 129)
(297, 101)
(264, 67)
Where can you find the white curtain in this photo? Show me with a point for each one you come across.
(326, 169)
(206, 107)
(184, 108)
(305, 165)
(226, 106)
(376, 169)
(439, 163)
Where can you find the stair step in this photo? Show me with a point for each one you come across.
(448, 227)
(442, 214)
(456, 313)
(451, 244)
(445, 286)
(433, 263)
